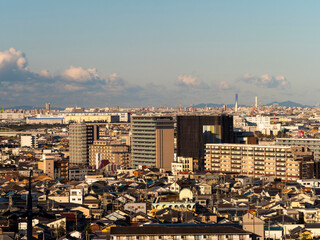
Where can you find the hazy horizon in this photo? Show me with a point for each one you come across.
(132, 53)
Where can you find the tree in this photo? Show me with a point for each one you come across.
(61, 231)
(88, 228)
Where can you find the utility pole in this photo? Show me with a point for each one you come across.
(29, 210)
(76, 221)
(269, 227)
(253, 227)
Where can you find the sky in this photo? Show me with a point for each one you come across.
(158, 53)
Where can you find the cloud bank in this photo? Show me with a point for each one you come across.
(266, 81)
(87, 87)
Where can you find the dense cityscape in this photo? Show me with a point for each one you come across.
(159, 120)
(234, 172)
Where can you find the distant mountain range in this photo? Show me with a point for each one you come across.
(281, 104)
(201, 105)
(287, 104)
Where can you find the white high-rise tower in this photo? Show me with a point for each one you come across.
(236, 103)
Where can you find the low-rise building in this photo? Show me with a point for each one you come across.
(182, 164)
(179, 232)
(29, 141)
(76, 195)
(77, 174)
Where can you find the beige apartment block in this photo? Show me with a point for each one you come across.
(118, 154)
(47, 166)
(281, 162)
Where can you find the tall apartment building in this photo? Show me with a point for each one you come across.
(81, 136)
(286, 163)
(152, 141)
(193, 132)
(312, 143)
(118, 154)
(47, 166)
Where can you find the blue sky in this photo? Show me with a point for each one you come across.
(132, 53)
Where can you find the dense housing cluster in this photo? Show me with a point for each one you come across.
(160, 173)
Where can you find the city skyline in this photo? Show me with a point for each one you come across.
(143, 53)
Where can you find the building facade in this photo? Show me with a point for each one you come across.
(45, 120)
(179, 232)
(47, 166)
(81, 136)
(182, 164)
(152, 141)
(312, 143)
(29, 141)
(61, 169)
(281, 162)
(118, 154)
(77, 174)
(193, 132)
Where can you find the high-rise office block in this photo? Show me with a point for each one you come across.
(193, 132)
(152, 141)
(81, 135)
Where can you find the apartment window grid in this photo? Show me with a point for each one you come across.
(260, 168)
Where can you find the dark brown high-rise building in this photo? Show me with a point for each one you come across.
(193, 132)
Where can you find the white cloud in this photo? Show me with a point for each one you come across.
(79, 74)
(223, 85)
(74, 85)
(113, 76)
(44, 73)
(188, 80)
(13, 59)
(266, 81)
